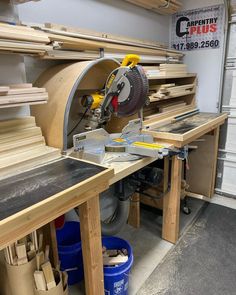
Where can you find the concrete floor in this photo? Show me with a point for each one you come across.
(148, 247)
(203, 261)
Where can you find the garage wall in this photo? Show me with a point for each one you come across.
(117, 17)
(207, 64)
(111, 16)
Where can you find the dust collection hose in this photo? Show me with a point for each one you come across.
(119, 220)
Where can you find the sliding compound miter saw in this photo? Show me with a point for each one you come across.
(125, 93)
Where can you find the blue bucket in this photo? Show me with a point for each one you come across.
(70, 251)
(116, 279)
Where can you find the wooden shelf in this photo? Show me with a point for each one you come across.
(192, 75)
(173, 96)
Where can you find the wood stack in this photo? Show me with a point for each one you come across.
(166, 70)
(22, 39)
(113, 257)
(22, 146)
(76, 40)
(171, 90)
(22, 251)
(21, 94)
(173, 69)
(164, 7)
(152, 71)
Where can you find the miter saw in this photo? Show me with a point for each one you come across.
(125, 93)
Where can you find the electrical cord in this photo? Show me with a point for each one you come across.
(77, 124)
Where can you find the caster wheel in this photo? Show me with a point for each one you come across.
(186, 210)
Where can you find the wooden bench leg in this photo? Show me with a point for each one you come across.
(171, 204)
(134, 212)
(90, 228)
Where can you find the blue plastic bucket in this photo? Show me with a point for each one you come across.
(116, 279)
(70, 251)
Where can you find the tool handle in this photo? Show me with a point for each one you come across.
(131, 59)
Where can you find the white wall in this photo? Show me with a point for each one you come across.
(207, 64)
(111, 16)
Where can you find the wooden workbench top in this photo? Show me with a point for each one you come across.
(34, 198)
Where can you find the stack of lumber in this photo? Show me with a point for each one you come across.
(68, 39)
(21, 94)
(22, 39)
(22, 146)
(173, 69)
(171, 90)
(166, 70)
(164, 7)
(151, 71)
(22, 251)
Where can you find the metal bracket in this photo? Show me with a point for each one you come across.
(102, 52)
(182, 153)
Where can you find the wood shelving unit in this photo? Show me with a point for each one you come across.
(152, 111)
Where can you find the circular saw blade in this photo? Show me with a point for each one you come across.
(138, 92)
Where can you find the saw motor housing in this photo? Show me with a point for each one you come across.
(125, 93)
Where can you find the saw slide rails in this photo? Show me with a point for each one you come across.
(66, 84)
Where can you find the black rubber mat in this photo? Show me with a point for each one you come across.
(204, 260)
(28, 188)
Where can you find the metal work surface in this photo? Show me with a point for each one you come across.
(29, 188)
(188, 124)
(204, 261)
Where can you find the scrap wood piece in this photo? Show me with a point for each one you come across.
(40, 259)
(109, 261)
(21, 254)
(49, 276)
(40, 281)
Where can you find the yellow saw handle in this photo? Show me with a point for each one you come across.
(131, 59)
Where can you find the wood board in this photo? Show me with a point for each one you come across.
(18, 95)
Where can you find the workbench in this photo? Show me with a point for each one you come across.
(180, 134)
(33, 199)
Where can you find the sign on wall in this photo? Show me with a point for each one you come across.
(198, 29)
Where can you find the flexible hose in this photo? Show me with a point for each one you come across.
(119, 220)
